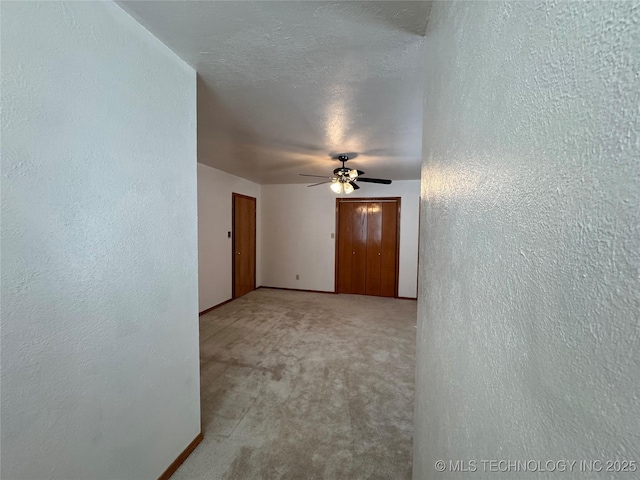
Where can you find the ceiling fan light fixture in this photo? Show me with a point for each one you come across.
(348, 188)
(344, 179)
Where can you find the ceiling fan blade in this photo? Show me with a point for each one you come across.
(321, 183)
(318, 176)
(354, 185)
(373, 180)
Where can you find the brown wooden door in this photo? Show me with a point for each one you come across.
(389, 251)
(367, 247)
(352, 249)
(374, 248)
(244, 244)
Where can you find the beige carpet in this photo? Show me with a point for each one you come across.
(303, 386)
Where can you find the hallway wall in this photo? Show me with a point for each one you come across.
(215, 189)
(528, 340)
(100, 367)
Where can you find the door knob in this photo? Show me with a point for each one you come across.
(238, 253)
(378, 253)
(353, 253)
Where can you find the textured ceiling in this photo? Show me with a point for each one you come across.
(283, 86)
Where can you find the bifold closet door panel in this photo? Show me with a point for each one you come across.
(352, 253)
(388, 266)
(359, 250)
(374, 248)
(345, 244)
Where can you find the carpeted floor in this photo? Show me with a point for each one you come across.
(301, 386)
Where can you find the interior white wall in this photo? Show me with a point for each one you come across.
(100, 372)
(528, 341)
(215, 190)
(296, 237)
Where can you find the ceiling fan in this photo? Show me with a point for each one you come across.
(344, 179)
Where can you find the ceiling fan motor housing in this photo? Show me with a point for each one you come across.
(343, 172)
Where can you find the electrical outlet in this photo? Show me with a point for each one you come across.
(333, 235)
(297, 277)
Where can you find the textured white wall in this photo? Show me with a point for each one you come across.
(215, 190)
(99, 246)
(296, 237)
(528, 340)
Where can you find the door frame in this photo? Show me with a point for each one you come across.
(339, 200)
(233, 241)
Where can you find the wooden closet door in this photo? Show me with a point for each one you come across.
(389, 250)
(345, 236)
(359, 251)
(367, 248)
(374, 248)
(352, 248)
